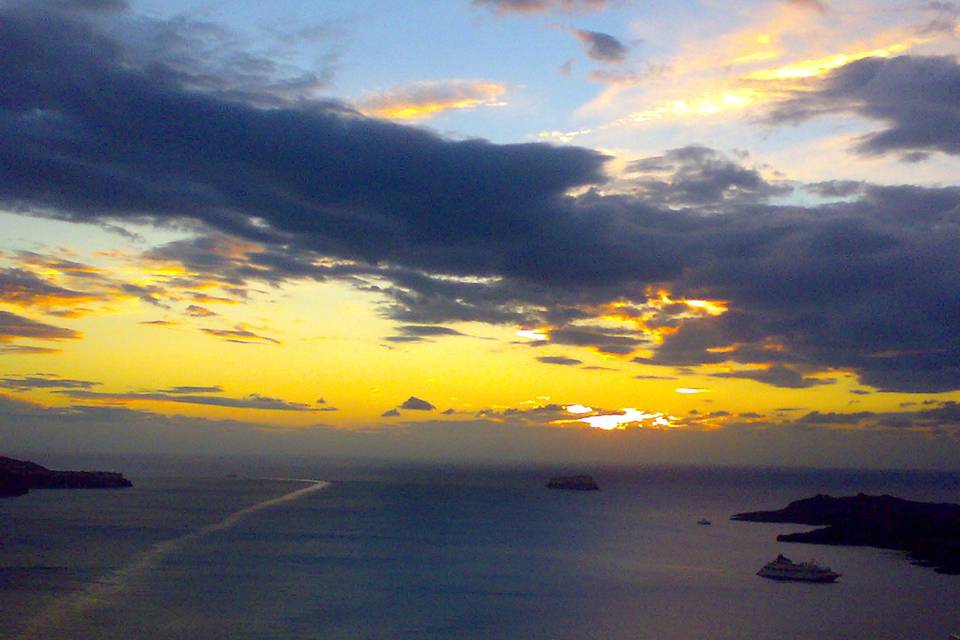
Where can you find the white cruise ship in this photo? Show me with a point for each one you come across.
(783, 568)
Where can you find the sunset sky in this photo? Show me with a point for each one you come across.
(502, 230)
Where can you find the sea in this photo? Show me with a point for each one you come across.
(365, 551)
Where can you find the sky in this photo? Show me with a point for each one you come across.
(580, 231)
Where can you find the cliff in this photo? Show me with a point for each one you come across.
(19, 476)
(928, 531)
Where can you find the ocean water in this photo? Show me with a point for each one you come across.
(420, 553)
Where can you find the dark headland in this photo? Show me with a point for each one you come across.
(928, 531)
(17, 477)
(573, 483)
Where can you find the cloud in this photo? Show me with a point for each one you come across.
(698, 175)
(777, 375)
(392, 413)
(836, 188)
(90, 5)
(196, 311)
(26, 289)
(419, 333)
(252, 401)
(602, 47)
(604, 341)
(17, 349)
(914, 96)
(815, 5)
(542, 6)
(423, 100)
(904, 440)
(190, 389)
(240, 336)
(441, 230)
(14, 326)
(414, 403)
(560, 360)
(44, 381)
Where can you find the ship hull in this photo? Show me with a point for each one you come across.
(830, 577)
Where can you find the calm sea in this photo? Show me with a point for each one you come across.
(454, 553)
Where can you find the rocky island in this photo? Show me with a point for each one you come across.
(17, 477)
(573, 483)
(928, 531)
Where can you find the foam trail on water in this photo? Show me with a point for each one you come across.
(101, 591)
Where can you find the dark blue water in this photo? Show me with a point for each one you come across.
(427, 553)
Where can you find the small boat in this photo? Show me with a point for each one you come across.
(783, 568)
(703, 521)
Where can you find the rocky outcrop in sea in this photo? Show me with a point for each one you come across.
(17, 477)
(928, 531)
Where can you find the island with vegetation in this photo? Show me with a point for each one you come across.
(573, 483)
(17, 477)
(929, 532)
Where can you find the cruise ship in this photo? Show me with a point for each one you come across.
(783, 568)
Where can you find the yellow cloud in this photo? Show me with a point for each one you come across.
(423, 100)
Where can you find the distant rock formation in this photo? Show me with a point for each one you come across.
(928, 531)
(19, 476)
(573, 483)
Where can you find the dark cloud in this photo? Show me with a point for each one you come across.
(196, 311)
(541, 6)
(20, 349)
(90, 5)
(419, 333)
(916, 97)
(208, 155)
(24, 288)
(392, 413)
(240, 336)
(944, 7)
(189, 389)
(836, 188)
(159, 323)
(442, 230)
(602, 47)
(604, 341)
(561, 360)
(252, 401)
(15, 326)
(44, 381)
(777, 375)
(414, 403)
(697, 175)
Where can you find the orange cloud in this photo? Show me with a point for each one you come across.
(427, 99)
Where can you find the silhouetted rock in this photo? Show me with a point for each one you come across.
(18, 476)
(11, 485)
(928, 531)
(573, 483)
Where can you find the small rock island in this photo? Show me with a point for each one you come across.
(928, 531)
(17, 477)
(573, 483)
